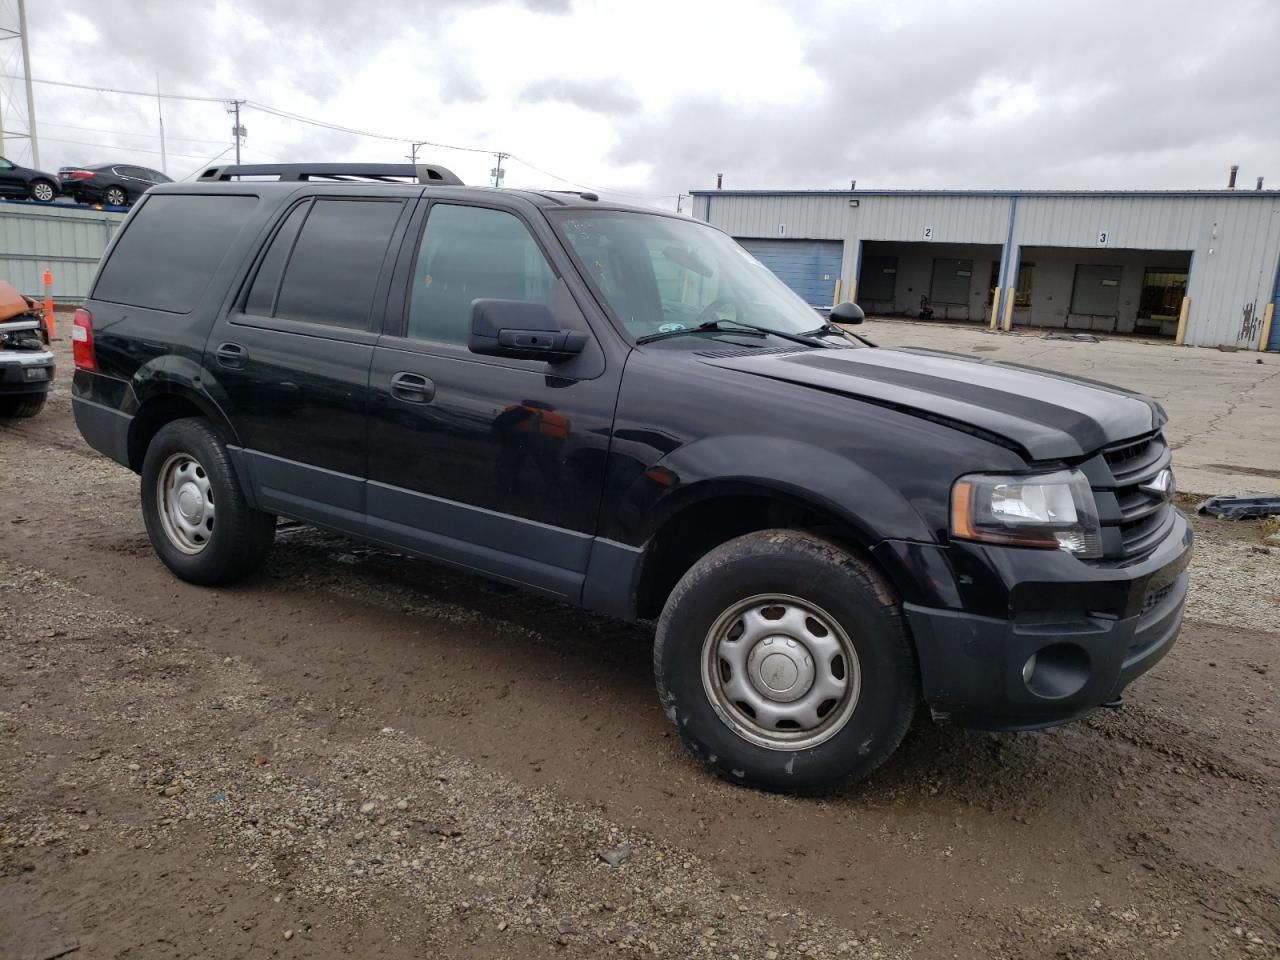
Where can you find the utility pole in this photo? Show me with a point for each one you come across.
(26, 72)
(497, 172)
(680, 197)
(413, 151)
(164, 157)
(237, 131)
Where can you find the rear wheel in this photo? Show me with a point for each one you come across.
(27, 405)
(114, 197)
(785, 663)
(42, 190)
(196, 514)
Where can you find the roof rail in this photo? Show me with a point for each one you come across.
(341, 172)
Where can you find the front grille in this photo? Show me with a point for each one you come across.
(1133, 520)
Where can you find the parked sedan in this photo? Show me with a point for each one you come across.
(111, 184)
(16, 181)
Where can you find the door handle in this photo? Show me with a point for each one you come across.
(231, 355)
(412, 388)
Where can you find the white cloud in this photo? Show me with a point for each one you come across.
(654, 98)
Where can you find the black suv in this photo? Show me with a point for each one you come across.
(623, 409)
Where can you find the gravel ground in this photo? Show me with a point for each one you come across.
(358, 754)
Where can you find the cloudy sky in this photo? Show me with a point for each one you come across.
(650, 99)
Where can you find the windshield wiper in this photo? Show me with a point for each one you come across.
(732, 326)
(833, 329)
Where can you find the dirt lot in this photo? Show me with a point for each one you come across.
(358, 754)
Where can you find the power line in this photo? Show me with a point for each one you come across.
(287, 115)
(352, 131)
(106, 147)
(149, 94)
(123, 133)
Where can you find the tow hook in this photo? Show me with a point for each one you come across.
(1115, 704)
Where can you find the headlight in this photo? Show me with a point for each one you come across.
(1052, 511)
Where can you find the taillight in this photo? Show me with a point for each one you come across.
(82, 340)
(76, 174)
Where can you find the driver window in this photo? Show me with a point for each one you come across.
(470, 253)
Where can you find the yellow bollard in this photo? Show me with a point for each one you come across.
(1267, 316)
(1182, 320)
(1008, 308)
(995, 307)
(836, 299)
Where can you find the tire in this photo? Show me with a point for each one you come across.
(24, 405)
(42, 191)
(115, 197)
(188, 483)
(769, 588)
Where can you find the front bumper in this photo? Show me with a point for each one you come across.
(1092, 628)
(25, 371)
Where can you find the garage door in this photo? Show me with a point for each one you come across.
(1096, 291)
(809, 267)
(951, 281)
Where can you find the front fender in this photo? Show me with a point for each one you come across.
(802, 471)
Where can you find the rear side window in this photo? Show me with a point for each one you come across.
(333, 270)
(170, 250)
(262, 295)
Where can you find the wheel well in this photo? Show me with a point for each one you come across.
(700, 527)
(153, 415)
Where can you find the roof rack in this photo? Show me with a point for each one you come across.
(339, 172)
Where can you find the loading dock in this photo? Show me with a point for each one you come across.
(943, 281)
(1199, 266)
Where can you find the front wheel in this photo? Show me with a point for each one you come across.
(785, 663)
(196, 514)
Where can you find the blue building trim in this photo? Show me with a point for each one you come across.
(1273, 341)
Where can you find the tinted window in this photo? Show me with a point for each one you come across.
(170, 250)
(159, 177)
(334, 268)
(262, 294)
(468, 253)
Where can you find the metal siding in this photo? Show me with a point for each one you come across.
(68, 241)
(808, 267)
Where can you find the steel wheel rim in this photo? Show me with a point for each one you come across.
(781, 672)
(43, 191)
(184, 498)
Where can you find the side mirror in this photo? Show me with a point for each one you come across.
(847, 312)
(521, 330)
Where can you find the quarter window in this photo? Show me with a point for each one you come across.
(170, 250)
(471, 253)
(333, 270)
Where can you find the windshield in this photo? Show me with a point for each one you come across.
(659, 275)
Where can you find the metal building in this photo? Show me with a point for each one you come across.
(1201, 267)
(64, 239)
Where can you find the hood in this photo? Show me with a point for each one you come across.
(1049, 416)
